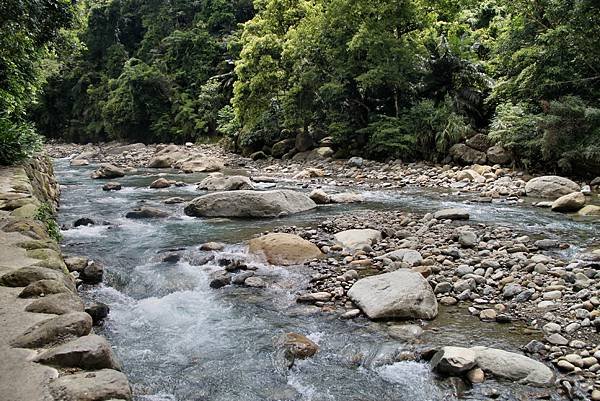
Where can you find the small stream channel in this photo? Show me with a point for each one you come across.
(180, 340)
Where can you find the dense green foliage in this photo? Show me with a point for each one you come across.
(149, 71)
(383, 78)
(29, 34)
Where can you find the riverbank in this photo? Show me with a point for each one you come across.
(47, 343)
(503, 275)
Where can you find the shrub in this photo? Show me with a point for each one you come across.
(45, 214)
(18, 141)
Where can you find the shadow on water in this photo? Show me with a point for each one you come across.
(181, 340)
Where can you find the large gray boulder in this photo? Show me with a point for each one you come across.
(358, 238)
(200, 165)
(101, 385)
(250, 204)
(550, 186)
(55, 330)
(220, 182)
(401, 294)
(512, 366)
(88, 352)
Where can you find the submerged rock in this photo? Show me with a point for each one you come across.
(250, 204)
(297, 345)
(146, 212)
(284, 249)
(160, 183)
(402, 294)
(112, 186)
(550, 186)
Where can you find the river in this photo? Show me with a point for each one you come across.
(180, 340)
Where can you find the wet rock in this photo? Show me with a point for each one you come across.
(90, 352)
(220, 280)
(160, 183)
(400, 294)
(250, 204)
(453, 361)
(42, 288)
(92, 273)
(212, 246)
(358, 238)
(260, 155)
(451, 214)
(255, 282)
(550, 186)
(240, 278)
(55, 330)
(297, 345)
(172, 258)
(108, 171)
(174, 200)
(220, 182)
(83, 221)
(98, 311)
(57, 304)
(513, 366)
(146, 212)
(112, 186)
(76, 263)
(405, 332)
(284, 249)
(569, 203)
(101, 385)
(320, 197)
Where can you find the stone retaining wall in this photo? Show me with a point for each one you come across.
(47, 347)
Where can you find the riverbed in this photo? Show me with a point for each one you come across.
(181, 340)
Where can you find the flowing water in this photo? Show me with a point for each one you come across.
(180, 340)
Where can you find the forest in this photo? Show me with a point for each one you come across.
(381, 79)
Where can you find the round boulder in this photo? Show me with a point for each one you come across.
(284, 249)
(550, 186)
(401, 294)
